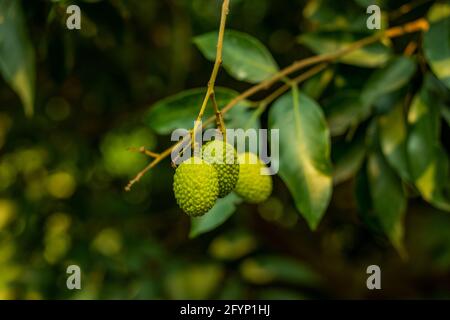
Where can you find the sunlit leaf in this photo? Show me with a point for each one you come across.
(372, 55)
(244, 57)
(436, 46)
(16, 53)
(393, 138)
(427, 159)
(304, 153)
(388, 198)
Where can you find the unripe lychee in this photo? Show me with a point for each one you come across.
(253, 186)
(223, 157)
(196, 186)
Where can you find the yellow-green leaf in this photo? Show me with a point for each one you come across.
(16, 53)
(304, 163)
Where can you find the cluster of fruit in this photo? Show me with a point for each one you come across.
(198, 182)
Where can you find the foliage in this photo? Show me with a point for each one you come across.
(363, 155)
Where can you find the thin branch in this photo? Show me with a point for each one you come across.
(411, 27)
(215, 71)
(302, 77)
(218, 116)
(157, 160)
(410, 49)
(144, 151)
(406, 8)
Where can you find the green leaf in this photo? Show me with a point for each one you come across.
(371, 56)
(345, 110)
(244, 57)
(393, 76)
(439, 11)
(242, 116)
(222, 210)
(393, 134)
(428, 161)
(315, 86)
(347, 158)
(388, 198)
(181, 110)
(335, 15)
(304, 163)
(436, 46)
(16, 53)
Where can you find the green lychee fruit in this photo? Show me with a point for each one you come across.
(253, 186)
(223, 157)
(196, 186)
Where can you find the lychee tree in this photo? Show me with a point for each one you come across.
(381, 125)
(330, 128)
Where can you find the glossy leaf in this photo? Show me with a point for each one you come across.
(17, 63)
(427, 159)
(181, 110)
(222, 210)
(388, 198)
(436, 46)
(327, 42)
(334, 15)
(347, 158)
(393, 139)
(244, 57)
(242, 116)
(304, 163)
(316, 85)
(393, 76)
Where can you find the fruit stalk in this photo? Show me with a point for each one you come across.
(215, 71)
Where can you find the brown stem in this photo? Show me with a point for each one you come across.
(144, 151)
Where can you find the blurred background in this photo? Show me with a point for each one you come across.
(63, 169)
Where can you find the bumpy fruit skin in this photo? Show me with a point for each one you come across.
(252, 186)
(223, 158)
(196, 186)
